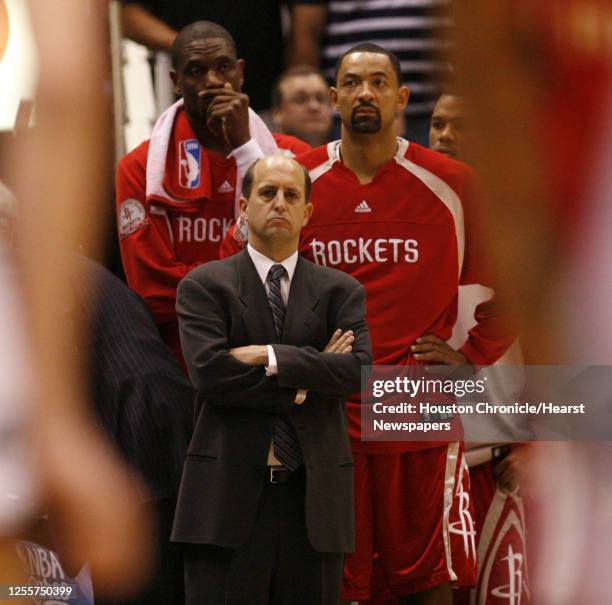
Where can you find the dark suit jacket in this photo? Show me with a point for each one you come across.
(223, 304)
(142, 398)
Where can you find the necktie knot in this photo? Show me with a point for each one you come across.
(276, 273)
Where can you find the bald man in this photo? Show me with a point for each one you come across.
(273, 344)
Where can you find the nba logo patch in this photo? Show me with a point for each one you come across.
(189, 164)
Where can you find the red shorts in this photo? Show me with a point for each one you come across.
(502, 562)
(414, 511)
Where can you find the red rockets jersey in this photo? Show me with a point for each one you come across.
(407, 236)
(162, 240)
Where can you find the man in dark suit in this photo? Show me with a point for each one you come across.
(265, 502)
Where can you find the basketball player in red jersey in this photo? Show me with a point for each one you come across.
(400, 218)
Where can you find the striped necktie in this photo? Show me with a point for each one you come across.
(286, 446)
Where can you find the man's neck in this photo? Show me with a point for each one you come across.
(210, 141)
(364, 154)
(275, 251)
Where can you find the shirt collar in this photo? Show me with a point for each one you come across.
(263, 263)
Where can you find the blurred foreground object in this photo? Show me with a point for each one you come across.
(541, 115)
(91, 499)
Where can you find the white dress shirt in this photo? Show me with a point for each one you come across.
(263, 264)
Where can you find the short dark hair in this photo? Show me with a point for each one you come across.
(276, 98)
(249, 178)
(449, 92)
(370, 47)
(199, 30)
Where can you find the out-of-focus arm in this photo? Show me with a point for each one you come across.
(140, 25)
(307, 26)
(89, 495)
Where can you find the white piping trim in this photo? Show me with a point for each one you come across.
(445, 194)
(452, 459)
(332, 156)
(156, 210)
(170, 229)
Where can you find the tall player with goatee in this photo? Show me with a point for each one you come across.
(398, 217)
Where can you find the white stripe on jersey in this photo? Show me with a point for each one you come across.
(452, 460)
(332, 156)
(442, 191)
(434, 183)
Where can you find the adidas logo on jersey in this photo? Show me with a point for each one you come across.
(363, 207)
(225, 188)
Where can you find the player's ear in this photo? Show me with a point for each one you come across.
(177, 88)
(403, 94)
(333, 97)
(243, 205)
(308, 208)
(240, 68)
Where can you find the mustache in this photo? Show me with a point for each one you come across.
(365, 106)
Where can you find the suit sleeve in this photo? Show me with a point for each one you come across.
(493, 333)
(218, 376)
(147, 254)
(330, 373)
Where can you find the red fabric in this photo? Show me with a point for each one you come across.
(174, 238)
(290, 143)
(389, 509)
(502, 574)
(230, 245)
(176, 180)
(571, 42)
(402, 245)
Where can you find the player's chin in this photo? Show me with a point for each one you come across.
(365, 124)
(449, 152)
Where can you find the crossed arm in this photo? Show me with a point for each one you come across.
(326, 371)
(258, 355)
(237, 377)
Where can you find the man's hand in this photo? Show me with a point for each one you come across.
(340, 342)
(432, 348)
(510, 471)
(230, 110)
(253, 355)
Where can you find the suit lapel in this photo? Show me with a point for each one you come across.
(257, 316)
(300, 320)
